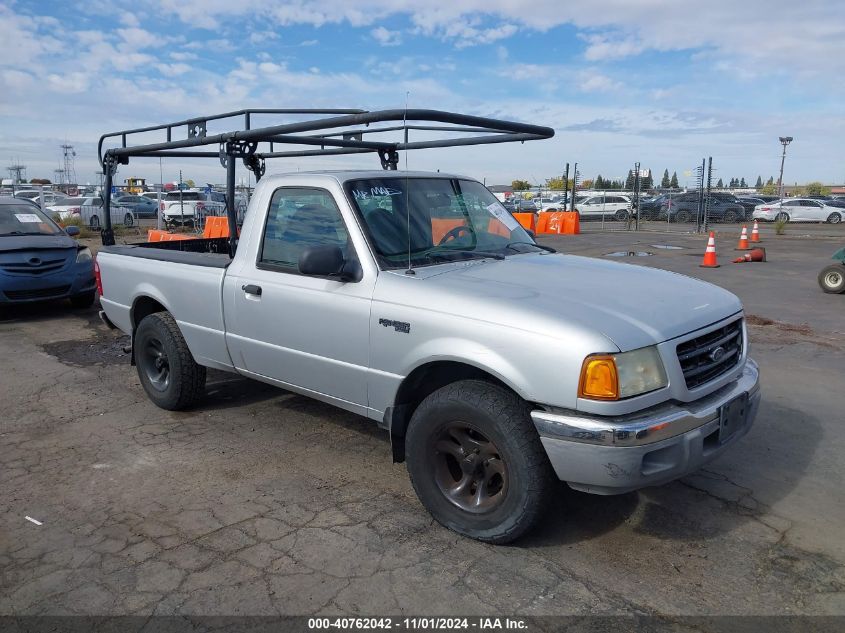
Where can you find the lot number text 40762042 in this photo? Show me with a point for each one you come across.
(418, 623)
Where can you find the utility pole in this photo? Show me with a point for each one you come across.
(566, 186)
(784, 140)
(574, 186)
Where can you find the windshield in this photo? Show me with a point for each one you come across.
(25, 219)
(449, 219)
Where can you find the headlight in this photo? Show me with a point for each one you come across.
(84, 255)
(615, 376)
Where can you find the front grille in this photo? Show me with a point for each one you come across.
(41, 293)
(27, 268)
(700, 359)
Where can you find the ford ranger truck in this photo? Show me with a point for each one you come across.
(415, 299)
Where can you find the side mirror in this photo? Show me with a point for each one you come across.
(328, 261)
(73, 231)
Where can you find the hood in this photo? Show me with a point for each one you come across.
(632, 306)
(35, 242)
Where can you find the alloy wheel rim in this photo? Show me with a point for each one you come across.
(468, 469)
(833, 279)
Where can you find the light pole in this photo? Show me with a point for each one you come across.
(784, 140)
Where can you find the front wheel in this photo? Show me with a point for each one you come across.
(683, 216)
(832, 279)
(729, 217)
(169, 374)
(781, 217)
(94, 222)
(621, 215)
(128, 220)
(834, 218)
(476, 461)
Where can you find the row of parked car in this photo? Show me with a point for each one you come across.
(683, 207)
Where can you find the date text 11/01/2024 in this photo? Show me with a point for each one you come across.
(418, 624)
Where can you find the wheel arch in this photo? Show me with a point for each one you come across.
(419, 384)
(142, 306)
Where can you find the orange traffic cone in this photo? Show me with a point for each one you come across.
(709, 260)
(756, 255)
(755, 233)
(743, 240)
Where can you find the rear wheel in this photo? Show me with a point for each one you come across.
(621, 215)
(729, 217)
(476, 461)
(834, 218)
(683, 216)
(832, 279)
(168, 372)
(781, 217)
(128, 220)
(94, 222)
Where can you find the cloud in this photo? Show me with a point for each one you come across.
(607, 47)
(386, 37)
(598, 83)
(258, 37)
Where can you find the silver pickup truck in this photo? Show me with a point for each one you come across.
(415, 299)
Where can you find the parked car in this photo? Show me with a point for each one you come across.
(766, 197)
(39, 260)
(610, 206)
(456, 359)
(142, 206)
(650, 207)
(509, 205)
(525, 206)
(798, 210)
(50, 197)
(550, 204)
(749, 204)
(190, 207)
(684, 208)
(90, 211)
(839, 203)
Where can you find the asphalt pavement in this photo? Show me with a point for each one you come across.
(260, 501)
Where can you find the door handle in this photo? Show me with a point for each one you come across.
(252, 289)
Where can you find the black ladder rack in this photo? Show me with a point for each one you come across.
(335, 132)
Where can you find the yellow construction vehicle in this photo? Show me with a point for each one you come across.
(135, 185)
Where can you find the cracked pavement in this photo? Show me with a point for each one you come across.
(264, 502)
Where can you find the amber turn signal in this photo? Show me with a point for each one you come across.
(599, 380)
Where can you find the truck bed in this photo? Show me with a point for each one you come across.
(185, 277)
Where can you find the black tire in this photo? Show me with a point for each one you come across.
(621, 215)
(94, 222)
(832, 279)
(782, 216)
(84, 300)
(168, 372)
(683, 216)
(477, 411)
(834, 218)
(729, 217)
(128, 220)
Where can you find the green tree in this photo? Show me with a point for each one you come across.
(587, 184)
(524, 185)
(815, 188)
(629, 181)
(719, 184)
(771, 180)
(742, 183)
(190, 183)
(599, 182)
(769, 189)
(647, 182)
(664, 183)
(674, 182)
(759, 182)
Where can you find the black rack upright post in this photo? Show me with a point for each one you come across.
(231, 213)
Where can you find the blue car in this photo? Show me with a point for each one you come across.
(39, 260)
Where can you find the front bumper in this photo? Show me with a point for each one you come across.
(77, 280)
(613, 455)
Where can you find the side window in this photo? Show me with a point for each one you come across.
(299, 218)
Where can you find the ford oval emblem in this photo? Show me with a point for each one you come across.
(34, 261)
(717, 354)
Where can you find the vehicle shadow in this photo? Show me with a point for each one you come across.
(741, 485)
(46, 310)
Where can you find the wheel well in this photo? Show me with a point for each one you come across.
(417, 386)
(144, 306)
